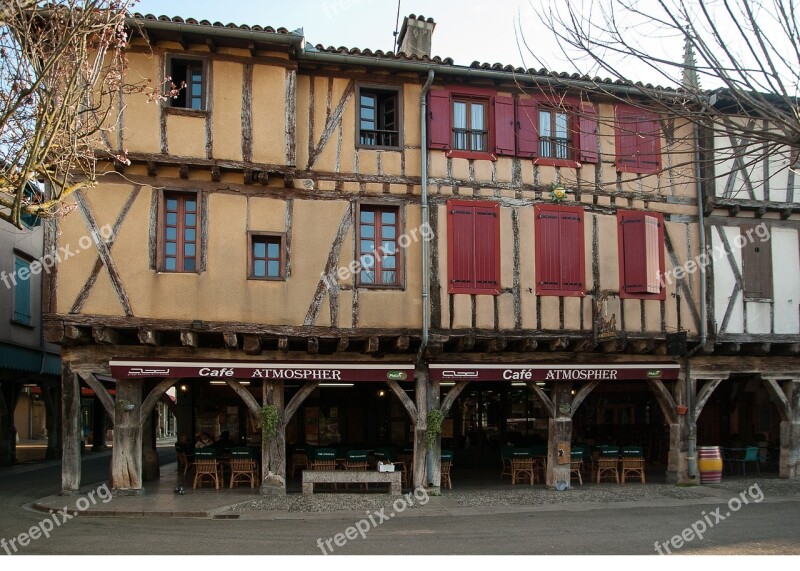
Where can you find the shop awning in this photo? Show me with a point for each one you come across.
(545, 373)
(286, 371)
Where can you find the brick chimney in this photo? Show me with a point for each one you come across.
(415, 36)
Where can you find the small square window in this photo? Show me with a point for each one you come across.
(379, 118)
(266, 257)
(188, 75)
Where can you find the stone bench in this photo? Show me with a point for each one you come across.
(311, 477)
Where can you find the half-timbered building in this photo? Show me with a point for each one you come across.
(360, 238)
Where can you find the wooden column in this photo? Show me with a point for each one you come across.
(51, 396)
(98, 425)
(435, 452)
(678, 460)
(787, 399)
(273, 453)
(126, 454)
(150, 466)
(420, 427)
(559, 434)
(71, 431)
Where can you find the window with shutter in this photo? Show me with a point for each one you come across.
(473, 236)
(756, 265)
(22, 292)
(641, 255)
(638, 140)
(560, 268)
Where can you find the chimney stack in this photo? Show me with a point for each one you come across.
(415, 36)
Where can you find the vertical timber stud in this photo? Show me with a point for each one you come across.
(126, 454)
(420, 427)
(559, 432)
(678, 460)
(71, 429)
(274, 451)
(787, 400)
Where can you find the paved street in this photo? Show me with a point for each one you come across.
(772, 526)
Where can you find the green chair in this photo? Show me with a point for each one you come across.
(750, 455)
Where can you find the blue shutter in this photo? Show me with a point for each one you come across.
(22, 294)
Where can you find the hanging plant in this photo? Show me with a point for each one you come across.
(434, 421)
(268, 419)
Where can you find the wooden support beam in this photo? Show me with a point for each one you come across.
(341, 345)
(105, 335)
(641, 346)
(251, 47)
(465, 343)
(212, 45)
(252, 344)
(585, 346)
(558, 344)
(405, 400)
(401, 344)
(527, 345)
(730, 348)
(263, 178)
(496, 345)
(230, 339)
(789, 348)
(758, 348)
(74, 334)
(247, 176)
(313, 345)
(152, 168)
(613, 346)
(189, 339)
(283, 344)
(183, 170)
(371, 345)
(150, 337)
(733, 209)
(216, 175)
(184, 42)
(434, 349)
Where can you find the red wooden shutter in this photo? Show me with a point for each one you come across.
(461, 224)
(652, 254)
(527, 128)
(626, 139)
(633, 252)
(487, 248)
(504, 125)
(587, 134)
(548, 257)
(439, 130)
(649, 143)
(571, 250)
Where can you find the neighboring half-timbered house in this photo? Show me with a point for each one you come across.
(360, 238)
(752, 226)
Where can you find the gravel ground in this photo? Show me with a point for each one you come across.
(522, 496)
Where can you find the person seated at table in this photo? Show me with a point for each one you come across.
(224, 443)
(204, 440)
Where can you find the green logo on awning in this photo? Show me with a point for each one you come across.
(396, 375)
(654, 374)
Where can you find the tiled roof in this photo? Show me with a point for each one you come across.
(179, 20)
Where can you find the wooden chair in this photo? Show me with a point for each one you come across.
(356, 461)
(522, 467)
(407, 460)
(243, 467)
(299, 462)
(606, 463)
(206, 467)
(505, 458)
(632, 462)
(446, 467)
(576, 464)
(323, 459)
(185, 462)
(539, 454)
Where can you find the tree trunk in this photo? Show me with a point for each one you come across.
(420, 450)
(71, 431)
(126, 454)
(273, 452)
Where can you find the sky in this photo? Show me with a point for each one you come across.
(466, 30)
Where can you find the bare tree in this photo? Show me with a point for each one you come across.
(726, 58)
(62, 69)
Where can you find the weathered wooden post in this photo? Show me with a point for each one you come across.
(273, 452)
(71, 431)
(420, 427)
(126, 454)
(559, 434)
(435, 451)
(788, 403)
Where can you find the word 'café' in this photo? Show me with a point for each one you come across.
(528, 335)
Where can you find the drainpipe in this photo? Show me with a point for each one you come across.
(423, 119)
(692, 436)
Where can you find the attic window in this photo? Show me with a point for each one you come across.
(188, 75)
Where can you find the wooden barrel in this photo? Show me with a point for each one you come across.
(709, 461)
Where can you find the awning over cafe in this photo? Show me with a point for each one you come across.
(294, 371)
(544, 372)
